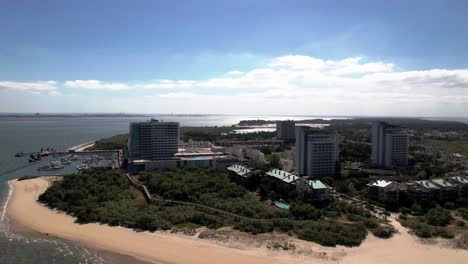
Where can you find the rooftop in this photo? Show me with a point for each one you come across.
(282, 175)
(197, 158)
(317, 185)
(460, 179)
(427, 184)
(381, 183)
(442, 182)
(239, 170)
(197, 152)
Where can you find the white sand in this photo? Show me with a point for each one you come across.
(168, 248)
(404, 248)
(82, 148)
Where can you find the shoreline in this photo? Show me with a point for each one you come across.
(21, 229)
(3, 213)
(155, 247)
(107, 256)
(81, 147)
(160, 247)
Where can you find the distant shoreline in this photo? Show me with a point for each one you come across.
(318, 116)
(81, 147)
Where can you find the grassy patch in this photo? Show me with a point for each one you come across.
(449, 146)
(432, 224)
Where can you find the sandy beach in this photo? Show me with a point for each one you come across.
(83, 147)
(161, 247)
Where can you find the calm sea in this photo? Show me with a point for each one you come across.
(31, 134)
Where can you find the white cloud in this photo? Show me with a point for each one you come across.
(97, 85)
(29, 86)
(35, 88)
(299, 62)
(115, 86)
(235, 72)
(303, 85)
(297, 84)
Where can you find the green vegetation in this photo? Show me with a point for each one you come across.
(355, 151)
(333, 233)
(428, 167)
(220, 133)
(111, 143)
(207, 187)
(438, 217)
(383, 232)
(319, 225)
(463, 212)
(304, 211)
(204, 133)
(351, 186)
(107, 197)
(274, 161)
(448, 146)
(432, 224)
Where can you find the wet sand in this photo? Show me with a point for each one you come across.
(171, 248)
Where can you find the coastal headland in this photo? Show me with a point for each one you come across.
(162, 247)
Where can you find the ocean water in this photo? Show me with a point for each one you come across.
(29, 134)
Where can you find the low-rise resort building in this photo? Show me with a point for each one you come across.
(315, 189)
(424, 191)
(384, 191)
(239, 170)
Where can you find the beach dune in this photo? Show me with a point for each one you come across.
(169, 248)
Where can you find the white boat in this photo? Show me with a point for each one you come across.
(82, 167)
(65, 161)
(56, 165)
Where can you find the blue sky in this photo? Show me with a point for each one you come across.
(165, 56)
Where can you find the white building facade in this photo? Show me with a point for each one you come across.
(389, 145)
(316, 153)
(153, 140)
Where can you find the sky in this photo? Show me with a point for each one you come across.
(262, 57)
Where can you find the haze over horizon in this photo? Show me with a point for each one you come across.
(365, 58)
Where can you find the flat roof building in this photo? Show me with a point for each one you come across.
(153, 140)
(314, 189)
(316, 153)
(282, 175)
(239, 170)
(389, 145)
(384, 191)
(285, 130)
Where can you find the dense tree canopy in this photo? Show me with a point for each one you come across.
(107, 197)
(207, 187)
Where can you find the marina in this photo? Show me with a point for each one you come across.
(56, 165)
(87, 159)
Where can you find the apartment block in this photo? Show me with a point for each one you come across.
(316, 153)
(389, 145)
(153, 140)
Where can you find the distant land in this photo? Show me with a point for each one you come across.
(441, 118)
